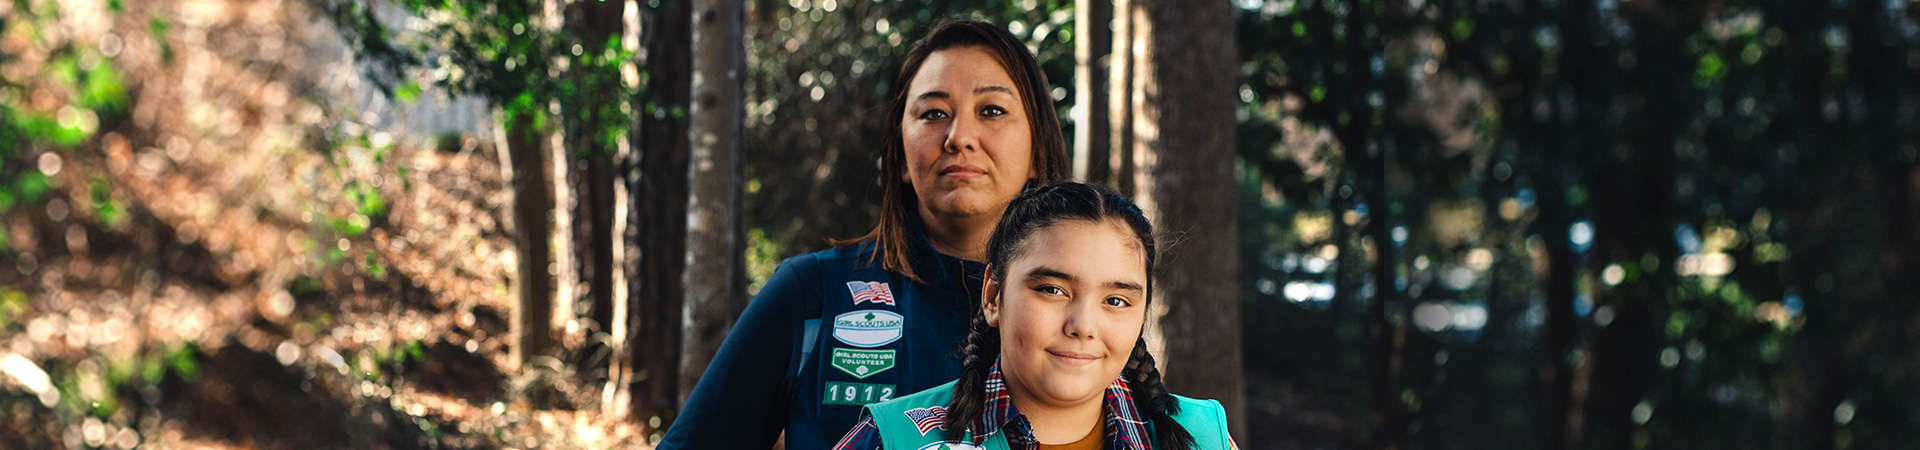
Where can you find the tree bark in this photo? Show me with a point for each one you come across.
(593, 24)
(1092, 128)
(533, 310)
(1121, 83)
(659, 188)
(1181, 73)
(716, 239)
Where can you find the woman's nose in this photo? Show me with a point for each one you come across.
(962, 135)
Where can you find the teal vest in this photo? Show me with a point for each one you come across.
(1205, 419)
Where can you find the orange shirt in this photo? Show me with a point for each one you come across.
(1093, 441)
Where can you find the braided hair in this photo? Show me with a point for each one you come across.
(1032, 210)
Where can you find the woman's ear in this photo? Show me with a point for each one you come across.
(990, 299)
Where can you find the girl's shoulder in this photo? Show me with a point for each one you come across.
(1206, 420)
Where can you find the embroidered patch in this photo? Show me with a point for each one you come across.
(870, 291)
(928, 419)
(839, 393)
(868, 328)
(862, 363)
(949, 445)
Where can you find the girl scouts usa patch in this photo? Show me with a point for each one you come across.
(868, 327)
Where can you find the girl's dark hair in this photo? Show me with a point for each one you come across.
(1039, 208)
(897, 201)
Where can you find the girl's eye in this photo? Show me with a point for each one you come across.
(1117, 301)
(1051, 290)
(933, 114)
(993, 111)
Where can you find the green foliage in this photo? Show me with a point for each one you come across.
(373, 266)
(105, 208)
(158, 28)
(12, 303)
(763, 257)
(305, 285)
(1663, 128)
(367, 201)
(183, 360)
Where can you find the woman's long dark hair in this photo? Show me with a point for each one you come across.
(897, 200)
(1039, 208)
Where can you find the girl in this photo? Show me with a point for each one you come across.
(1055, 358)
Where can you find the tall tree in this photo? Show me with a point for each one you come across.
(532, 314)
(716, 238)
(592, 123)
(1092, 128)
(659, 187)
(1179, 75)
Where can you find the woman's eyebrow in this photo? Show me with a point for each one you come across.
(992, 88)
(976, 91)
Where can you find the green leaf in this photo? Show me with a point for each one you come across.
(408, 92)
(1463, 29)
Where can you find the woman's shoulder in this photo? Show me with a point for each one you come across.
(860, 250)
(842, 258)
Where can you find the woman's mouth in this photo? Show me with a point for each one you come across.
(963, 171)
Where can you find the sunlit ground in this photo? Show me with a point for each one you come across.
(211, 245)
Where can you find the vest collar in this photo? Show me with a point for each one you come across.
(1126, 428)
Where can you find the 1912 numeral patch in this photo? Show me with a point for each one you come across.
(839, 393)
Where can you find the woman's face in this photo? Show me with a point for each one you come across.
(1069, 311)
(969, 143)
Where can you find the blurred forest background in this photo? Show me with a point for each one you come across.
(1406, 224)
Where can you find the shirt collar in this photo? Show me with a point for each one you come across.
(1126, 429)
(935, 267)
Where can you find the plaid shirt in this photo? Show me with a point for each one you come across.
(1126, 429)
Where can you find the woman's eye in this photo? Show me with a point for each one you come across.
(1051, 290)
(993, 111)
(1117, 301)
(933, 114)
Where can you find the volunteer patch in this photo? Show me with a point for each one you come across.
(927, 419)
(870, 291)
(839, 393)
(862, 363)
(868, 328)
(949, 445)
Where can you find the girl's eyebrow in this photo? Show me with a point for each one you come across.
(1044, 272)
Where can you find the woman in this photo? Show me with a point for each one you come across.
(1055, 357)
(885, 314)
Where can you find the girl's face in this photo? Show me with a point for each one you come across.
(968, 142)
(1069, 311)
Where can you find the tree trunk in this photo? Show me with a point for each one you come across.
(1559, 410)
(533, 312)
(659, 222)
(716, 239)
(592, 24)
(1182, 75)
(1122, 83)
(1092, 129)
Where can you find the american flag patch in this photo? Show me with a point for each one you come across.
(928, 418)
(870, 291)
